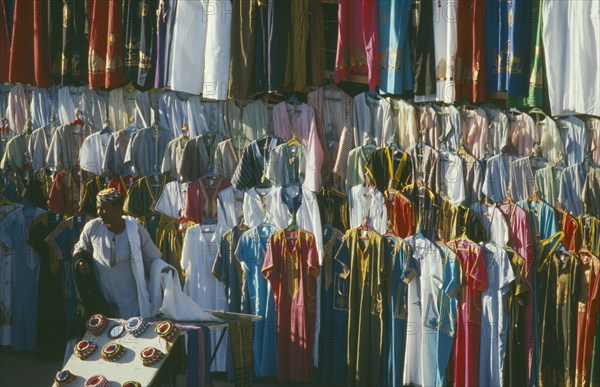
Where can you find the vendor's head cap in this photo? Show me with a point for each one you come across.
(108, 195)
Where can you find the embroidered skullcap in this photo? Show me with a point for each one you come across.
(108, 195)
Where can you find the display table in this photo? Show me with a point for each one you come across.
(129, 367)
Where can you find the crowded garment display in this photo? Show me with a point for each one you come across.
(440, 228)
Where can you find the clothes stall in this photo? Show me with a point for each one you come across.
(383, 193)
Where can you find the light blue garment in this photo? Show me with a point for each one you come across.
(448, 307)
(250, 252)
(574, 137)
(26, 270)
(395, 71)
(497, 177)
(41, 107)
(572, 181)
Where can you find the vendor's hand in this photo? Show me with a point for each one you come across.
(84, 268)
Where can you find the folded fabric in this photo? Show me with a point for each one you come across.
(177, 305)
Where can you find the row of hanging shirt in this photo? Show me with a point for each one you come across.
(464, 131)
(485, 129)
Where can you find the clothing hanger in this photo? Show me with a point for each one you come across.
(293, 226)
(78, 121)
(181, 224)
(419, 231)
(104, 179)
(488, 152)
(264, 182)
(210, 134)
(534, 196)
(393, 146)
(106, 129)
(442, 147)
(156, 181)
(208, 220)
(266, 155)
(28, 127)
(295, 102)
(508, 149)
(5, 132)
(536, 160)
(327, 232)
(185, 131)
(489, 105)
(364, 229)
(588, 162)
(584, 244)
(207, 230)
(55, 217)
(537, 111)
(331, 88)
(240, 139)
(462, 238)
(133, 128)
(212, 179)
(390, 230)
(241, 223)
(513, 111)
(421, 143)
(508, 199)
(560, 164)
(463, 235)
(442, 108)
(293, 141)
(369, 148)
(293, 99)
(462, 151)
(374, 94)
(468, 104)
(239, 135)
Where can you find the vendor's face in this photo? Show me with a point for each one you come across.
(108, 212)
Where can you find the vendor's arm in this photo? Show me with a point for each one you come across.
(85, 240)
(83, 251)
(149, 250)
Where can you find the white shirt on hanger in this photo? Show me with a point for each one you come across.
(367, 202)
(200, 248)
(253, 209)
(493, 223)
(172, 199)
(229, 207)
(372, 120)
(420, 366)
(91, 154)
(452, 180)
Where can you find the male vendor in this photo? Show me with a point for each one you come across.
(121, 256)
